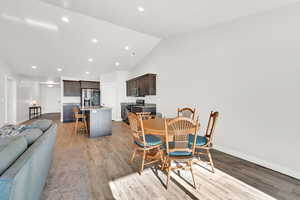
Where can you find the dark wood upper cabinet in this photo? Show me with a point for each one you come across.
(152, 84)
(72, 89)
(141, 86)
(90, 84)
(128, 86)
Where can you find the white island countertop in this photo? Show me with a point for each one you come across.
(85, 108)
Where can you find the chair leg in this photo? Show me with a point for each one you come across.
(163, 163)
(143, 161)
(132, 157)
(169, 174)
(210, 161)
(76, 126)
(190, 166)
(198, 156)
(85, 125)
(161, 156)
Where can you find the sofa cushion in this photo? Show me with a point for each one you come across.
(10, 150)
(42, 124)
(11, 130)
(4, 142)
(32, 134)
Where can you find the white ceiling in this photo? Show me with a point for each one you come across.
(65, 45)
(115, 24)
(164, 18)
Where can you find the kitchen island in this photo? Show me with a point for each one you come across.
(99, 120)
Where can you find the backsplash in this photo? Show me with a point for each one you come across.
(148, 99)
(71, 99)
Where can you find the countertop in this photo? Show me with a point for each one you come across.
(145, 106)
(137, 105)
(93, 108)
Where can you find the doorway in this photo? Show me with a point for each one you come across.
(11, 101)
(50, 98)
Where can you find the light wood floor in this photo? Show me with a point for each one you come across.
(86, 169)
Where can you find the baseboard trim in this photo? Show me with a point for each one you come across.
(118, 119)
(258, 161)
(22, 121)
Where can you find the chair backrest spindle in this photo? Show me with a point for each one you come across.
(144, 115)
(186, 112)
(75, 109)
(137, 128)
(211, 126)
(181, 128)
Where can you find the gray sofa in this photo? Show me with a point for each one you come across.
(26, 176)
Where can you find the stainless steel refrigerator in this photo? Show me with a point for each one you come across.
(90, 97)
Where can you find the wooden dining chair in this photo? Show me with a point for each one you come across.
(79, 117)
(143, 143)
(205, 143)
(179, 148)
(186, 112)
(145, 115)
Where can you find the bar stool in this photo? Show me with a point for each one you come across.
(79, 116)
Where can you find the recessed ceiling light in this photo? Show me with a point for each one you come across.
(94, 40)
(59, 69)
(90, 59)
(65, 19)
(11, 17)
(117, 63)
(49, 83)
(50, 86)
(41, 24)
(87, 72)
(140, 9)
(33, 67)
(127, 48)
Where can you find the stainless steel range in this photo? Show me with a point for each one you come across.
(138, 106)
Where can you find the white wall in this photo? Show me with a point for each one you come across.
(3, 72)
(11, 101)
(113, 91)
(27, 91)
(50, 98)
(249, 71)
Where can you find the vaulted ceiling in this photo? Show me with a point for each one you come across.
(97, 36)
(34, 34)
(164, 18)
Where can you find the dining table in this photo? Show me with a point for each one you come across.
(156, 126)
